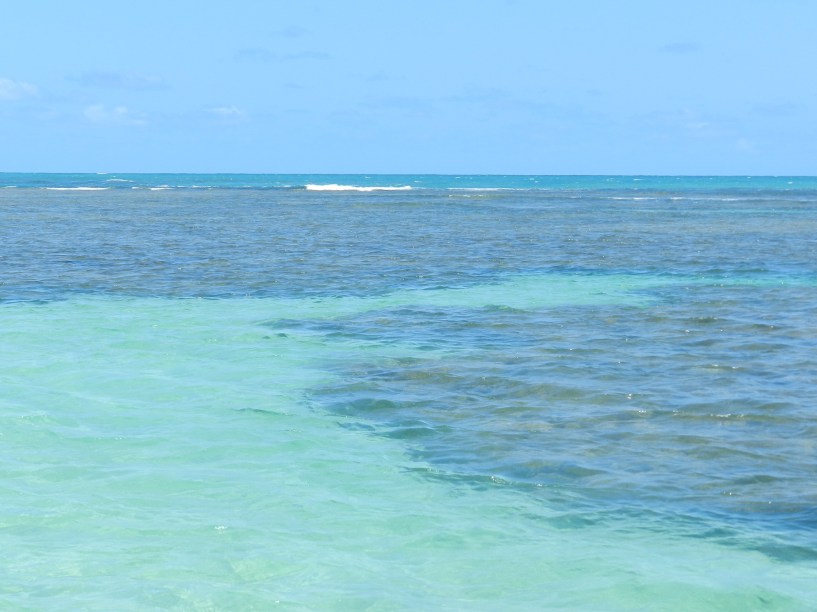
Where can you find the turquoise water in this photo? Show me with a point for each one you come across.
(577, 395)
(574, 184)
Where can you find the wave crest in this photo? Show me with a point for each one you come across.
(76, 188)
(336, 187)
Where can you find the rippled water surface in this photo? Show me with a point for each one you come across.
(580, 396)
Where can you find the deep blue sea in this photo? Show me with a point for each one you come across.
(243, 392)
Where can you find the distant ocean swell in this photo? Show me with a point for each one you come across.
(678, 186)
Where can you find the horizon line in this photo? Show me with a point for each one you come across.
(244, 173)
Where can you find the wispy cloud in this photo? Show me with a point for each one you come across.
(260, 54)
(377, 77)
(680, 48)
(410, 104)
(117, 115)
(227, 112)
(292, 31)
(699, 129)
(15, 90)
(687, 124)
(119, 80)
(255, 54)
(777, 109)
(496, 102)
(306, 55)
(745, 145)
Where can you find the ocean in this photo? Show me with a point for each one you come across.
(250, 392)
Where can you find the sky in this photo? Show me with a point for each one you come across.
(427, 86)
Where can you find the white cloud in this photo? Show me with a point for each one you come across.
(14, 90)
(117, 115)
(227, 111)
(698, 127)
(227, 114)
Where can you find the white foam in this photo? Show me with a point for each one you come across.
(336, 187)
(489, 189)
(77, 188)
(116, 180)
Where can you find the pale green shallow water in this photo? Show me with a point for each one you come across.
(581, 396)
(161, 453)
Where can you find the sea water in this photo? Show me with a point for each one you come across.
(412, 392)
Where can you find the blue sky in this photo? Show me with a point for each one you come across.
(446, 86)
